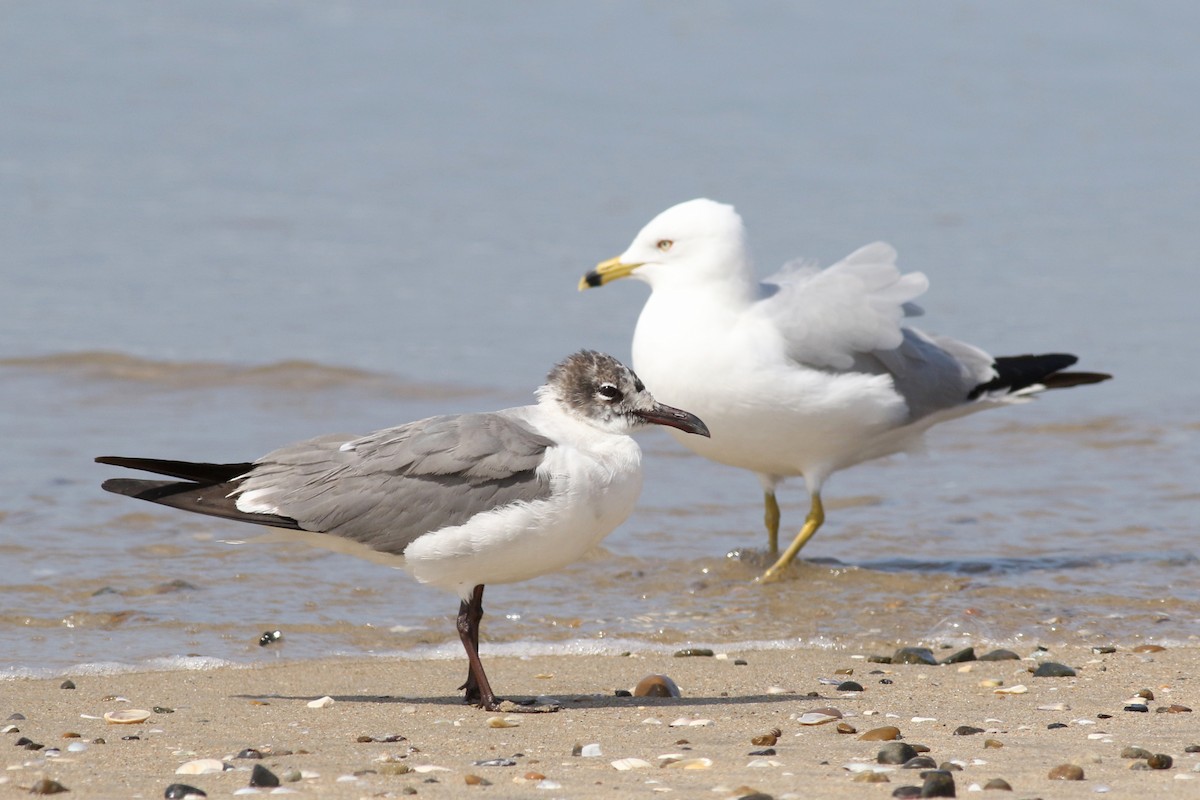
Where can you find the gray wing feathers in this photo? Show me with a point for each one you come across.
(390, 487)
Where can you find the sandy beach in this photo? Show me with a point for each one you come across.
(698, 745)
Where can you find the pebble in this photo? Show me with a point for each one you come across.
(1145, 694)
(992, 744)
(1160, 761)
(907, 791)
(885, 734)
(1192, 748)
(68, 684)
(10, 729)
(1051, 669)
(879, 659)
(914, 655)
(938, 783)
(321, 702)
(47, 786)
(129, 716)
(1174, 708)
(967, 654)
(249, 752)
(1000, 655)
(871, 777)
(201, 766)
(846, 727)
(1140, 708)
(181, 791)
(1105, 648)
(1149, 648)
(656, 686)
(475, 780)
(850, 686)
(18, 716)
(690, 652)
(496, 762)
(270, 638)
(1053, 726)
(261, 776)
(1066, 772)
(769, 751)
(998, 783)
(967, 730)
(767, 739)
(895, 753)
(919, 762)
(1135, 752)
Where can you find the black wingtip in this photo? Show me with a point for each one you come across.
(1014, 373)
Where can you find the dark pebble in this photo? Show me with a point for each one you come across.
(879, 659)
(914, 655)
(907, 791)
(1050, 669)
(163, 710)
(131, 738)
(261, 776)
(249, 752)
(1053, 726)
(24, 740)
(920, 748)
(1192, 748)
(34, 746)
(1159, 761)
(16, 716)
(1135, 752)
(1104, 716)
(497, 762)
(622, 693)
(67, 685)
(919, 762)
(740, 662)
(967, 730)
(1140, 708)
(895, 753)
(849, 686)
(998, 783)
(1000, 655)
(755, 796)
(967, 654)
(886, 681)
(689, 652)
(178, 791)
(770, 751)
(937, 784)
(1108, 648)
(269, 638)
(47, 786)
(949, 766)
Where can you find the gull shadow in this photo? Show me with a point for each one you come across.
(567, 701)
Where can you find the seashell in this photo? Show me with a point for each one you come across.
(501, 722)
(626, 764)
(1020, 688)
(590, 751)
(690, 763)
(201, 766)
(321, 702)
(129, 716)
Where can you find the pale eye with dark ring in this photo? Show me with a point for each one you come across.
(664, 244)
(609, 392)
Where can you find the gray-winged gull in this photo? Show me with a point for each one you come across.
(810, 371)
(459, 501)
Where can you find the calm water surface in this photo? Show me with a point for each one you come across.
(233, 225)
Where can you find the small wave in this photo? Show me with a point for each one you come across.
(1005, 566)
(291, 375)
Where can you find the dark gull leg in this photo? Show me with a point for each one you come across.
(470, 612)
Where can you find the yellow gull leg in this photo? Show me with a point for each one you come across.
(816, 516)
(771, 518)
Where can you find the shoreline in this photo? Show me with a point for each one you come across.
(707, 733)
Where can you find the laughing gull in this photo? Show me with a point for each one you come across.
(459, 501)
(809, 372)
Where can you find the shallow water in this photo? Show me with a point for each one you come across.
(235, 225)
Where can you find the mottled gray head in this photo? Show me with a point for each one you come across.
(608, 394)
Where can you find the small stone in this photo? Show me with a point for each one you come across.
(1149, 648)
(496, 762)
(885, 734)
(590, 751)
(1135, 752)
(907, 791)
(656, 686)
(1051, 669)
(1159, 761)
(691, 652)
(1000, 655)
(937, 784)
(767, 739)
(846, 727)
(992, 744)
(1140, 708)
(966, 654)
(249, 752)
(950, 766)
(919, 762)
(740, 662)
(966, 730)
(1053, 726)
(914, 655)
(269, 638)
(181, 791)
(17, 716)
(1103, 649)
(261, 776)
(871, 777)
(1066, 772)
(1192, 748)
(622, 693)
(1174, 708)
(163, 710)
(47, 786)
(475, 780)
(895, 753)
(998, 783)
(534, 776)
(1145, 694)
(767, 751)
(850, 686)
(67, 684)
(879, 659)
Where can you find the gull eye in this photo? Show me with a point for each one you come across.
(664, 244)
(609, 392)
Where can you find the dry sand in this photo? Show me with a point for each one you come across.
(220, 712)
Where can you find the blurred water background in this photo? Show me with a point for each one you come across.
(230, 225)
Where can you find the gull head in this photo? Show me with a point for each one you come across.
(606, 394)
(696, 241)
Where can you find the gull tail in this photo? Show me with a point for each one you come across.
(1019, 374)
(206, 488)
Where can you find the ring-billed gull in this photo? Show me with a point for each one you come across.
(459, 501)
(809, 372)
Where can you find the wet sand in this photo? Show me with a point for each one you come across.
(220, 712)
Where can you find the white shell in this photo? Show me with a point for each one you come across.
(201, 766)
(129, 716)
(626, 764)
